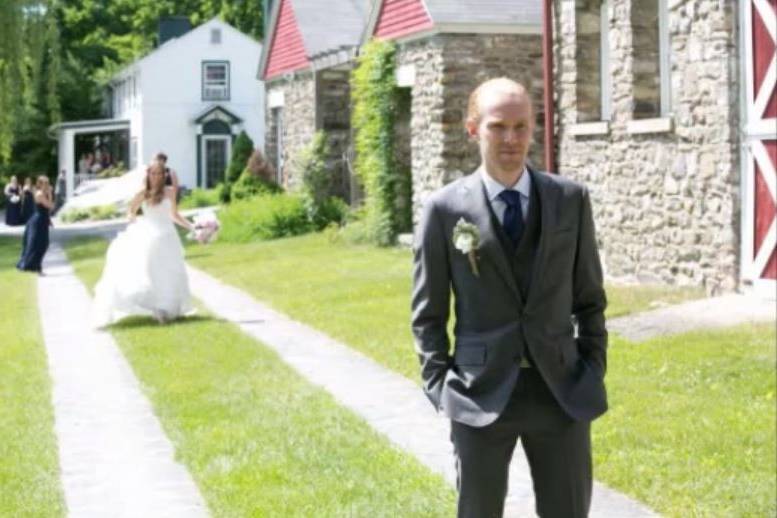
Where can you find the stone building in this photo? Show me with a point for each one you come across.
(445, 48)
(666, 110)
(306, 66)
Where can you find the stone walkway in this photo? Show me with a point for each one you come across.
(389, 402)
(711, 313)
(114, 456)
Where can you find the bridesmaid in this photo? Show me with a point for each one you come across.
(36, 233)
(13, 205)
(28, 201)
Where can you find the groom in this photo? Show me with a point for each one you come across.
(517, 249)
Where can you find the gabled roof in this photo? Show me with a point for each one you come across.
(217, 112)
(326, 27)
(176, 43)
(472, 16)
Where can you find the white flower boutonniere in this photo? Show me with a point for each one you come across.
(466, 238)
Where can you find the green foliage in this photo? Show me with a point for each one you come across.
(241, 151)
(224, 191)
(265, 216)
(197, 198)
(95, 213)
(249, 185)
(310, 164)
(30, 65)
(374, 95)
(113, 171)
(56, 56)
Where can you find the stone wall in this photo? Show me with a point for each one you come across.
(298, 118)
(333, 115)
(447, 68)
(666, 204)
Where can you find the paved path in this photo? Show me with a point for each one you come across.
(715, 312)
(115, 458)
(389, 402)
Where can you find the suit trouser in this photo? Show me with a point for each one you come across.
(557, 448)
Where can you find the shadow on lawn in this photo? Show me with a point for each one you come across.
(140, 322)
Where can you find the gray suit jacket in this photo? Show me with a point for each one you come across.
(493, 324)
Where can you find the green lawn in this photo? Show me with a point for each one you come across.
(691, 430)
(357, 294)
(29, 467)
(258, 439)
(691, 426)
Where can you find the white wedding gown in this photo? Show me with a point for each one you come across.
(144, 271)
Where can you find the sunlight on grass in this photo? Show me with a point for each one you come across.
(691, 426)
(29, 466)
(359, 295)
(258, 439)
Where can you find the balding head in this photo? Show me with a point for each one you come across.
(501, 119)
(500, 86)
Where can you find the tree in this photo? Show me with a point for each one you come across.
(241, 151)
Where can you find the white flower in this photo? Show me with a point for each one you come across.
(464, 243)
(466, 238)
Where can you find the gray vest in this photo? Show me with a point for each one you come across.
(522, 258)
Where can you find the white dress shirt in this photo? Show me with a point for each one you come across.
(494, 188)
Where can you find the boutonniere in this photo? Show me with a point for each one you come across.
(466, 238)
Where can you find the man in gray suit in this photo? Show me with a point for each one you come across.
(517, 249)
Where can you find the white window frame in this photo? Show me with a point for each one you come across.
(215, 91)
(604, 64)
(664, 54)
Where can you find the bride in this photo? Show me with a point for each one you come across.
(144, 271)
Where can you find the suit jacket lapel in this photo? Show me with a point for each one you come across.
(490, 248)
(548, 193)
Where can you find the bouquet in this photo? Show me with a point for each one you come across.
(206, 227)
(15, 198)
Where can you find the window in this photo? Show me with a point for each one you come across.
(215, 81)
(650, 39)
(215, 36)
(592, 60)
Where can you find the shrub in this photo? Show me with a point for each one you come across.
(310, 164)
(224, 192)
(249, 185)
(112, 171)
(241, 150)
(265, 216)
(197, 198)
(95, 213)
(261, 167)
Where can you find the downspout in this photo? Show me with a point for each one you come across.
(547, 77)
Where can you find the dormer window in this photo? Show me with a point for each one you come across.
(215, 36)
(215, 80)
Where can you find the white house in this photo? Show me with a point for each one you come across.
(190, 98)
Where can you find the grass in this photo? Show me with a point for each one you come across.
(29, 465)
(357, 294)
(691, 428)
(625, 299)
(258, 439)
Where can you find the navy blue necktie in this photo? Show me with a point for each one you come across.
(512, 222)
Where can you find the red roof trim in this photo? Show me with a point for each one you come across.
(287, 50)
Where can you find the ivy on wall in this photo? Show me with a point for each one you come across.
(374, 98)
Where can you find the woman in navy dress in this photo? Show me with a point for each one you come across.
(36, 233)
(28, 201)
(13, 203)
